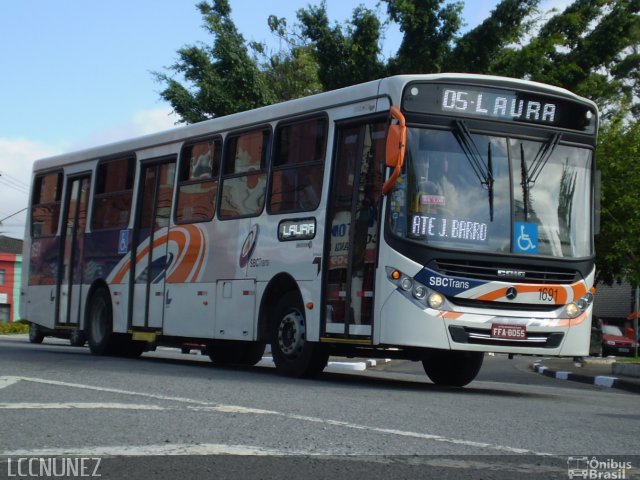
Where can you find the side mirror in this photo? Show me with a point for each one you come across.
(396, 145)
(395, 136)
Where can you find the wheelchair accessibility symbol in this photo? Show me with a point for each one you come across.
(525, 238)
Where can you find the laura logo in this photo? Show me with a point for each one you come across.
(298, 229)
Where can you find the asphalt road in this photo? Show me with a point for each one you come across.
(169, 415)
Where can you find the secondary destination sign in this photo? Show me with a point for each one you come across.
(499, 104)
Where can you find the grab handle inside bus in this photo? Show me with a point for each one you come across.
(396, 144)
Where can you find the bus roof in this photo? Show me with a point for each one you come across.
(390, 86)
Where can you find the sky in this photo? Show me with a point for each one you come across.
(78, 73)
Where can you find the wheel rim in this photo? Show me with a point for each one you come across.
(291, 333)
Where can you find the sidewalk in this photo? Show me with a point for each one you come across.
(603, 372)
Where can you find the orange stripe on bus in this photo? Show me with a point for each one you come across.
(579, 290)
(181, 271)
(560, 293)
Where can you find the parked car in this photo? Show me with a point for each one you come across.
(615, 343)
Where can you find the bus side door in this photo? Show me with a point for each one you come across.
(352, 220)
(150, 240)
(70, 276)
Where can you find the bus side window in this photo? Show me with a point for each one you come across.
(113, 194)
(298, 166)
(198, 181)
(45, 210)
(244, 178)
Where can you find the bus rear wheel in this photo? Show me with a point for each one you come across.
(100, 321)
(292, 354)
(452, 368)
(35, 333)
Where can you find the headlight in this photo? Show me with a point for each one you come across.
(406, 283)
(414, 290)
(611, 342)
(420, 292)
(572, 310)
(435, 300)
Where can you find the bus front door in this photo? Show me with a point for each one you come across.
(150, 235)
(353, 222)
(72, 252)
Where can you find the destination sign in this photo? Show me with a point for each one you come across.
(499, 104)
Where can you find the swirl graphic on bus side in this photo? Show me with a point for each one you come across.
(183, 250)
(248, 246)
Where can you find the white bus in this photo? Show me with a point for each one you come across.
(425, 217)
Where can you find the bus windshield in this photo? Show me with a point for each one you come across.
(494, 194)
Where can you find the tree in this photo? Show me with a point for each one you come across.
(343, 58)
(590, 48)
(429, 30)
(291, 72)
(478, 49)
(221, 79)
(618, 244)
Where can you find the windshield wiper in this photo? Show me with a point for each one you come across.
(524, 182)
(484, 173)
(542, 157)
(529, 176)
(490, 180)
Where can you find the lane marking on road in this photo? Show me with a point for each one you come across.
(8, 381)
(78, 405)
(151, 450)
(199, 405)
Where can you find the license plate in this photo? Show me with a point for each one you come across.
(623, 350)
(511, 332)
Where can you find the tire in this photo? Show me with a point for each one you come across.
(35, 333)
(236, 353)
(77, 338)
(292, 354)
(100, 323)
(452, 368)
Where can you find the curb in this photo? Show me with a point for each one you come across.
(598, 380)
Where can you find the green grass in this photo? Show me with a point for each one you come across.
(627, 359)
(13, 328)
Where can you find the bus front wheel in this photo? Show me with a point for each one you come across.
(100, 323)
(452, 368)
(293, 355)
